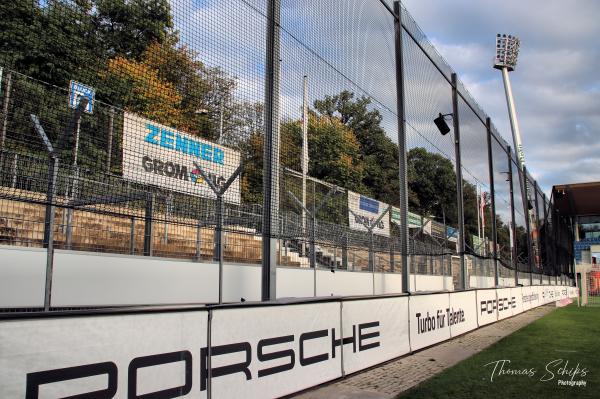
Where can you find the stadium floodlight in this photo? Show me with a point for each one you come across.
(507, 51)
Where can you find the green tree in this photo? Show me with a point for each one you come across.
(377, 151)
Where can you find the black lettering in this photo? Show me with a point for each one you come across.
(169, 169)
(313, 359)
(181, 173)
(34, 380)
(363, 337)
(342, 341)
(225, 370)
(264, 357)
(147, 164)
(158, 167)
(155, 360)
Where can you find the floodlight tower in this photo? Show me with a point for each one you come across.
(507, 51)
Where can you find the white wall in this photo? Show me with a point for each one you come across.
(84, 279)
(22, 277)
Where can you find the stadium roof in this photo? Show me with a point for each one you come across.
(578, 199)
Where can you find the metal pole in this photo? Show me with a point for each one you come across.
(111, 121)
(313, 252)
(220, 141)
(512, 113)
(271, 153)
(304, 153)
(49, 229)
(6, 102)
(13, 183)
(512, 215)
(488, 125)
(546, 237)
(220, 244)
(132, 236)
(459, 184)
(538, 227)
(199, 241)
(148, 225)
(402, 169)
(531, 252)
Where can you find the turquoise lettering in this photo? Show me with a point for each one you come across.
(218, 156)
(194, 148)
(181, 144)
(206, 152)
(166, 139)
(153, 131)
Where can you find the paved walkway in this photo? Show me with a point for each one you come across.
(392, 378)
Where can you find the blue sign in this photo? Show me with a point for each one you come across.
(451, 232)
(369, 205)
(77, 91)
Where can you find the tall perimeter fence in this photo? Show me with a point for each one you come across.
(285, 133)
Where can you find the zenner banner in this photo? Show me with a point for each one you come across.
(366, 210)
(159, 155)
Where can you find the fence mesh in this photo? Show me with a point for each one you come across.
(156, 124)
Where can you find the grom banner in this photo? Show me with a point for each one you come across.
(161, 156)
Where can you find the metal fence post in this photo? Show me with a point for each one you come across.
(148, 225)
(132, 236)
(525, 197)
(538, 226)
(488, 125)
(512, 215)
(111, 123)
(402, 168)
(271, 153)
(459, 184)
(198, 241)
(6, 102)
(49, 228)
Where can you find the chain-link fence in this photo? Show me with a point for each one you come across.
(273, 132)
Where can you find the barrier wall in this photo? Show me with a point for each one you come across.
(82, 279)
(257, 350)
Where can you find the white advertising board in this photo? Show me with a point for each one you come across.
(272, 351)
(429, 322)
(505, 302)
(159, 155)
(530, 297)
(463, 312)
(366, 210)
(517, 298)
(487, 307)
(103, 356)
(375, 330)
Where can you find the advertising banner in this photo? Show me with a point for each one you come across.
(375, 330)
(437, 229)
(517, 294)
(139, 355)
(427, 226)
(414, 220)
(366, 210)
(159, 155)
(452, 234)
(530, 297)
(505, 302)
(487, 307)
(273, 351)
(463, 312)
(429, 319)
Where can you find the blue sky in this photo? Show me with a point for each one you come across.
(556, 83)
(348, 44)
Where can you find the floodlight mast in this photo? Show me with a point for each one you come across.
(507, 51)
